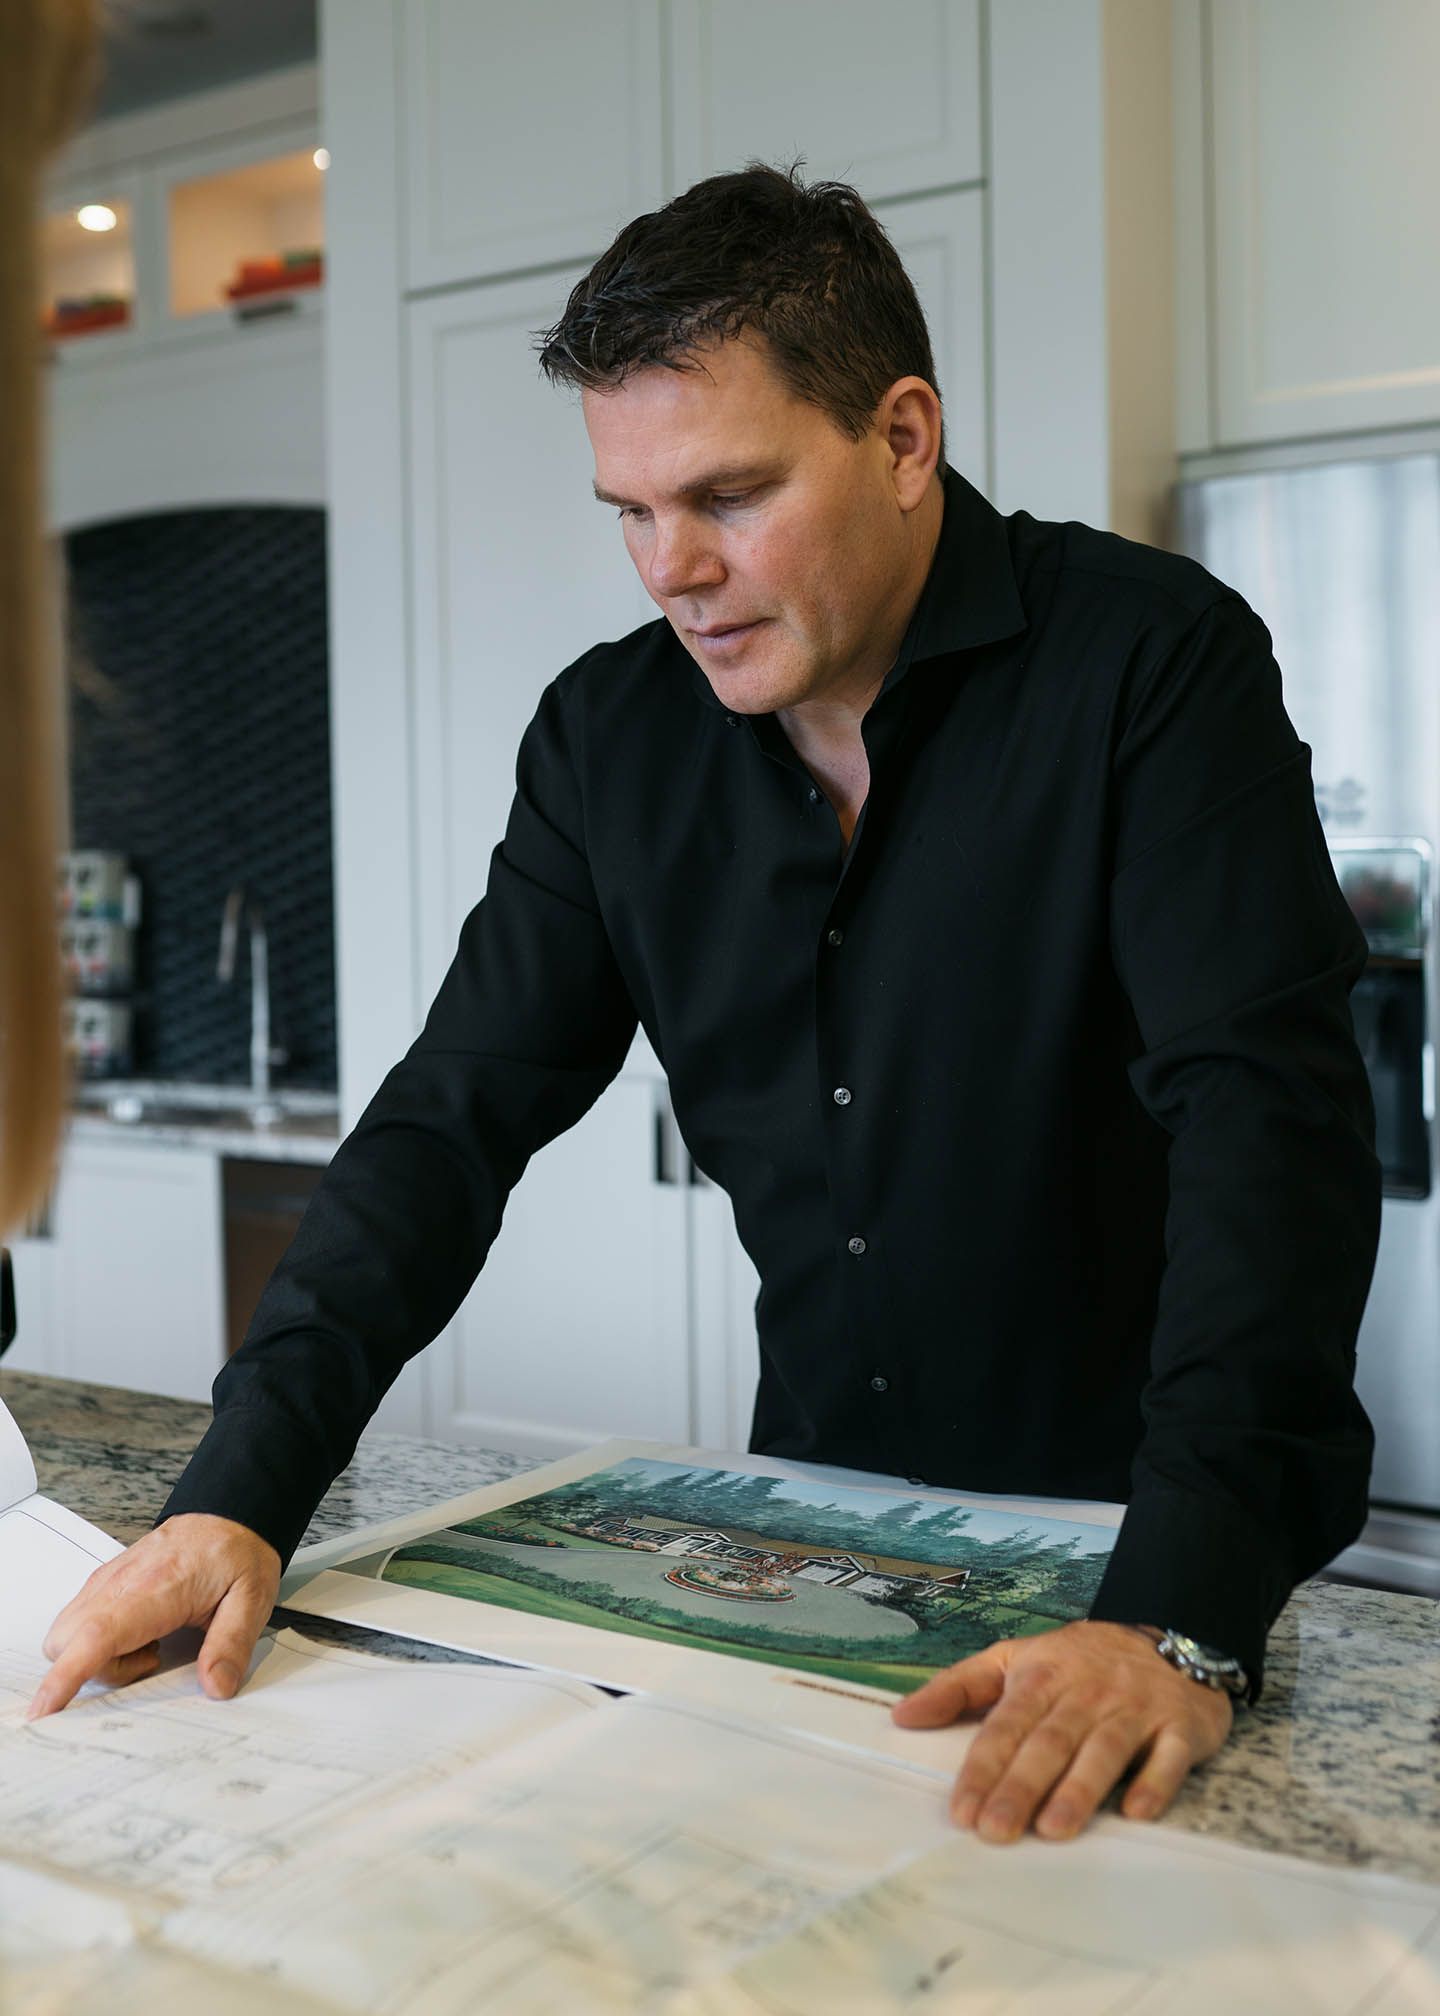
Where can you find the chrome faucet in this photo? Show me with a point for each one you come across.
(262, 1053)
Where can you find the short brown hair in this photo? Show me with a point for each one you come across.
(811, 269)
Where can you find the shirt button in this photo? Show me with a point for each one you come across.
(856, 1245)
(732, 721)
(835, 936)
(842, 1095)
(879, 1385)
(814, 795)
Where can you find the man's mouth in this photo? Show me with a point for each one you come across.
(720, 635)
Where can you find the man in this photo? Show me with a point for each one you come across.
(966, 875)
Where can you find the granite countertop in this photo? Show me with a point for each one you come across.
(1340, 1761)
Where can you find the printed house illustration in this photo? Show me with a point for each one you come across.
(837, 1571)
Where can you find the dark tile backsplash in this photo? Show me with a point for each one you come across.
(200, 747)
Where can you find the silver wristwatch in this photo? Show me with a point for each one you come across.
(1205, 1664)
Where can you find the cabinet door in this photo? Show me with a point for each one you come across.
(723, 1287)
(942, 242)
(577, 1329)
(517, 571)
(140, 1286)
(887, 101)
(530, 134)
(577, 1326)
(1326, 156)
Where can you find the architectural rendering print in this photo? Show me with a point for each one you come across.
(855, 1584)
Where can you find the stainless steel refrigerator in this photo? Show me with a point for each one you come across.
(1342, 561)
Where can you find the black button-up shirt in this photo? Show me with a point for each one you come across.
(1039, 1105)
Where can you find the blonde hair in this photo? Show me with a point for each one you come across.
(46, 57)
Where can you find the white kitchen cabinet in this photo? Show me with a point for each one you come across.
(1325, 158)
(577, 1328)
(529, 135)
(578, 1321)
(195, 402)
(140, 1290)
(516, 571)
(215, 422)
(942, 242)
(889, 103)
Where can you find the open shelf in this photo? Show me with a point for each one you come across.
(87, 274)
(248, 237)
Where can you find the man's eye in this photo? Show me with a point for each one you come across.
(744, 498)
(628, 511)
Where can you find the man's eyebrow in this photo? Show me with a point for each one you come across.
(737, 475)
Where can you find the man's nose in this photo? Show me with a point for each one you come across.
(683, 558)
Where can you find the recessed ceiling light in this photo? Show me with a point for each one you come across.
(321, 157)
(96, 217)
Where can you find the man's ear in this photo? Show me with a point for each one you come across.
(910, 420)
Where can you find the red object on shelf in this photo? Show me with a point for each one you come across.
(274, 276)
(75, 321)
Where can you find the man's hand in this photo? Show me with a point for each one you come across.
(1066, 1714)
(195, 1569)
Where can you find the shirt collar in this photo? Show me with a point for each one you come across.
(970, 595)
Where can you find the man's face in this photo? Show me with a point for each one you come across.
(772, 544)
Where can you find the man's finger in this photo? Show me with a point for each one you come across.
(1037, 1763)
(63, 1629)
(137, 1665)
(240, 1616)
(86, 1644)
(971, 1685)
(1164, 1772)
(90, 1649)
(1100, 1761)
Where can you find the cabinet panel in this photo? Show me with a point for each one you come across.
(577, 1328)
(1326, 156)
(140, 1291)
(517, 571)
(723, 1288)
(889, 103)
(941, 240)
(486, 192)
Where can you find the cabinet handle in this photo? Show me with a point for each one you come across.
(665, 1157)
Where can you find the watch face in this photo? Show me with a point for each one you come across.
(1206, 1657)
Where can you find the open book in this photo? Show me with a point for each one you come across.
(354, 1833)
(46, 1554)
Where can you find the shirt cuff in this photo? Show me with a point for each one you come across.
(256, 1466)
(1199, 1565)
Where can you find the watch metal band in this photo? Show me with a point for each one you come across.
(1203, 1663)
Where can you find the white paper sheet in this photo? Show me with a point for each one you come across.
(65, 1951)
(842, 1711)
(47, 1553)
(1129, 1921)
(156, 1789)
(596, 1868)
(46, 1556)
(17, 1469)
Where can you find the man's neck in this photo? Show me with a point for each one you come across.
(826, 733)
